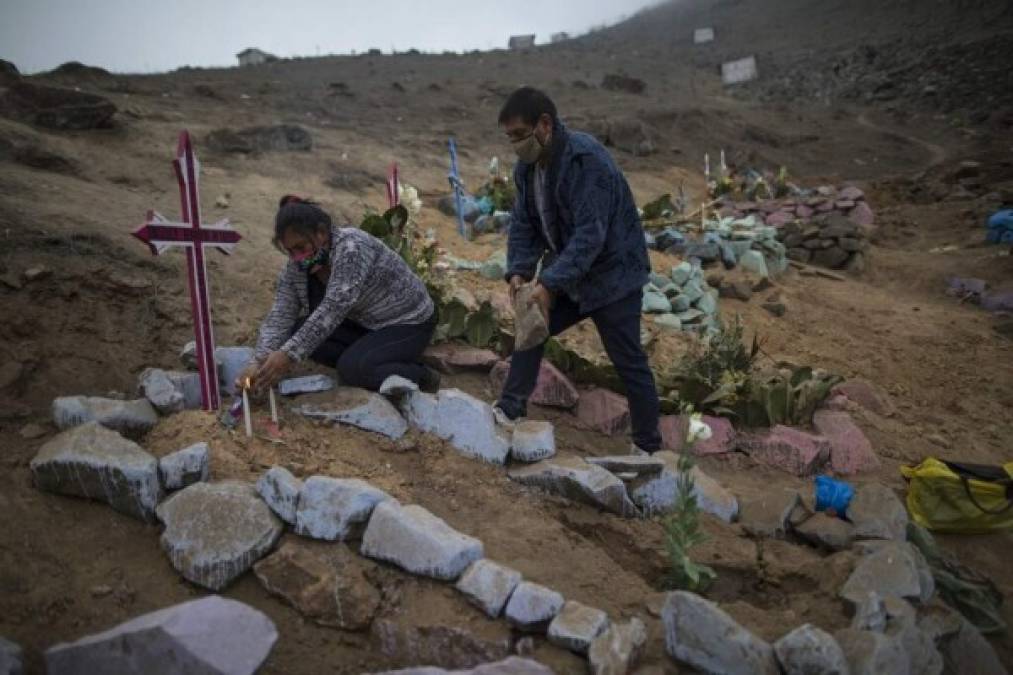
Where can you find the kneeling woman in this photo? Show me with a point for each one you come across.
(344, 300)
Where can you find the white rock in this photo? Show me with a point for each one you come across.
(129, 417)
(214, 532)
(532, 607)
(658, 495)
(209, 635)
(185, 467)
(358, 408)
(335, 509)
(308, 384)
(421, 410)
(889, 568)
(280, 489)
(513, 665)
(231, 362)
(576, 626)
(869, 653)
(488, 585)
(807, 649)
(700, 634)
(95, 462)
(417, 541)
(617, 650)
(575, 479)
(468, 424)
(533, 441)
(11, 658)
(156, 386)
(395, 385)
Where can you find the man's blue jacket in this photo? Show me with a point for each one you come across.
(593, 246)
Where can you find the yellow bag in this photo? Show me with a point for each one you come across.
(967, 498)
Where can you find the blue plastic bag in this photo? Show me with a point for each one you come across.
(833, 494)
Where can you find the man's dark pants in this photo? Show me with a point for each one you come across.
(618, 325)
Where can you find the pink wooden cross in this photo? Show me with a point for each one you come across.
(392, 186)
(161, 234)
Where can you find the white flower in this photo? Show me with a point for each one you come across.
(698, 429)
(409, 197)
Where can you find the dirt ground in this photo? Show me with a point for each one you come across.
(108, 309)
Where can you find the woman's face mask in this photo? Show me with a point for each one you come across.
(311, 261)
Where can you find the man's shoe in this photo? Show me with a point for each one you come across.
(503, 419)
(430, 380)
(637, 450)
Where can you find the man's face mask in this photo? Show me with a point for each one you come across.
(309, 262)
(528, 149)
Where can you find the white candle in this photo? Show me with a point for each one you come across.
(274, 407)
(246, 414)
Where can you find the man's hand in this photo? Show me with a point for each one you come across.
(272, 370)
(542, 297)
(516, 281)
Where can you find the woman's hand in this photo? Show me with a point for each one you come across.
(271, 370)
(249, 373)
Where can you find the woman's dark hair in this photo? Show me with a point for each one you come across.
(529, 104)
(302, 215)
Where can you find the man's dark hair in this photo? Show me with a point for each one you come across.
(528, 104)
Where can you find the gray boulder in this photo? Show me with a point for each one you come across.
(132, 418)
(11, 658)
(642, 465)
(280, 489)
(422, 411)
(335, 509)
(902, 625)
(617, 650)
(533, 441)
(95, 462)
(417, 541)
(575, 479)
(308, 384)
(869, 653)
(890, 568)
(828, 532)
(532, 607)
(185, 467)
(513, 665)
(214, 532)
(877, 513)
(356, 407)
(700, 634)
(468, 424)
(807, 650)
(170, 391)
(769, 515)
(576, 626)
(209, 635)
(659, 494)
(488, 585)
(231, 361)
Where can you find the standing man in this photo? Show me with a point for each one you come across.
(576, 214)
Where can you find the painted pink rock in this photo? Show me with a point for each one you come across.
(852, 193)
(867, 395)
(850, 451)
(797, 452)
(804, 212)
(844, 204)
(825, 207)
(452, 358)
(837, 402)
(604, 411)
(770, 207)
(552, 388)
(673, 435)
(862, 215)
(779, 218)
(745, 206)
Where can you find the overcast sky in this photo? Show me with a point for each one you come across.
(157, 35)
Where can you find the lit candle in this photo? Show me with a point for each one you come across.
(274, 407)
(246, 409)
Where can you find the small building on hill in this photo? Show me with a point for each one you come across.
(562, 36)
(522, 41)
(254, 57)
